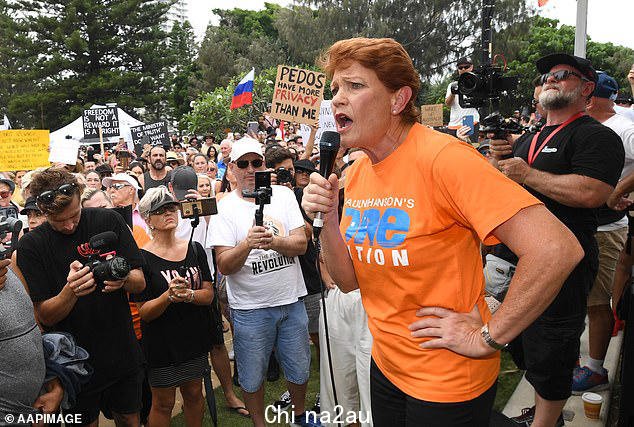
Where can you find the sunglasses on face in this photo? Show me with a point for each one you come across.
(5, 194)
(464, 67)
(534, 102)
(243, 164)
(48, 197)
(562, 75)
(166, 208)
(119, 186)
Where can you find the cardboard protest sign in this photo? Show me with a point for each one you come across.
(156, 134)
(23, 149)
(431, 115)
(326, 120)
(64, 151)
(297, 95)
(105, 118)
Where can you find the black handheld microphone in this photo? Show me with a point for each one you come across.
(328, 148)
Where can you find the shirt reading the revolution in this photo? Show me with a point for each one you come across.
(267, 278)
(413, 225)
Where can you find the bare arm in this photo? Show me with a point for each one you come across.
(323, 196)
(135, 283)
(625, 186)
(150, 310)
(292, 245)
(310, 144)
(572, 190)
(231, 259)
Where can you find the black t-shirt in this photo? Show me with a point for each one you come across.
(308, 261)
(100, 322)
(584, 147)
(183, 331)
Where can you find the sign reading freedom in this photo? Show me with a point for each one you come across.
(23, 149)
(297, 95)
(156, 133)
(105, 118)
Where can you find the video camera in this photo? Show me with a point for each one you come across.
(106, 266)
(283, 176)
(261, 193)
(13, 226)
(483, 85)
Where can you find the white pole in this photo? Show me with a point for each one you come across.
(581, 29)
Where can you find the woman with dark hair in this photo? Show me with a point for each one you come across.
(224, 186)
(414, 250)
(175, 312)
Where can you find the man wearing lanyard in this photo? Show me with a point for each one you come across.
(572, 166)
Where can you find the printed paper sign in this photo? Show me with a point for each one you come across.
(326, 120)
(156, 134)
(431, 115)
(105, 118)
(23, 149)
(297, 95)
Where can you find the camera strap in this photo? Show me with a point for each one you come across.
(532, 154)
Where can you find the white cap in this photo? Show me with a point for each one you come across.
(107, 181)
(244, 146)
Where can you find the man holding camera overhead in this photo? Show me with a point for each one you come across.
(67, 297)
(457, 113)
(264, 279)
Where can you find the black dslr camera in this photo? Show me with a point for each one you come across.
(261, 193)
(283, 175)
(13, 226)
(104, 264)
(484, 84)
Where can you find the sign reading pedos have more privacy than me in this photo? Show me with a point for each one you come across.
(105, 118)
(297, 95)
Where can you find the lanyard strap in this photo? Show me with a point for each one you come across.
(532, 154)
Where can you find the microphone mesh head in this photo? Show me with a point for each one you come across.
(329, 141)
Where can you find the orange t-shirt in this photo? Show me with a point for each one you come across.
(141, 238)
(413, 225)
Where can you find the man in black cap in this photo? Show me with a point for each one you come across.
(33, 213)
(458, 113)
(572, 166)
(303, 169)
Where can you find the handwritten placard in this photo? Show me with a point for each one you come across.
(23, 149)
(297, 95)
(431, 115)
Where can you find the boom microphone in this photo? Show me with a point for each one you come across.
(328, 148)
(107, 239)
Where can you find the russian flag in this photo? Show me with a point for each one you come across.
(243, 95)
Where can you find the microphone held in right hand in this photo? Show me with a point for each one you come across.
(328, 149)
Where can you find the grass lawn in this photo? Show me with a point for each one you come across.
(509, 377)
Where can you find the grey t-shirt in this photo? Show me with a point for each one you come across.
(22, 367)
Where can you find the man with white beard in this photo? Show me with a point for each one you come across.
(572, 166)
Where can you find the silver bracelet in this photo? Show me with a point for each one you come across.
(490, 341)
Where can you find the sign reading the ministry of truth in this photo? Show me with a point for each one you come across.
(297, 95)
(105, 118)
(156, 134)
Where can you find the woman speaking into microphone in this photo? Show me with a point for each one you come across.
(415, 212)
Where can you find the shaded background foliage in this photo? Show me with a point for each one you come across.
(58, 57)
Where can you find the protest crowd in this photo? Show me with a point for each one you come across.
(144, 266)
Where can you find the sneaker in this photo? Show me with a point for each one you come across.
(585, 379)
(283, 402)
(528, 414)
(317, 406)
(307, 419)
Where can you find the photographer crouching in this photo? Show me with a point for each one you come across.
(54, 259)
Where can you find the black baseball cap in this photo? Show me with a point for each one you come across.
(167, 199)
(464, 60)
(183, 179)
(29, 205)
(546, 63)
(305, 164)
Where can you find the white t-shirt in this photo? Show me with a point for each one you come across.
(267, 278)
(626, 112)
(458, 113)
(624, 128)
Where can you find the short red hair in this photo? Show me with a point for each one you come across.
(386, 57)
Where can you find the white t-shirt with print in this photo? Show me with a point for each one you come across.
(267, 278)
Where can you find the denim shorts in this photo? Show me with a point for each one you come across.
(257, 331)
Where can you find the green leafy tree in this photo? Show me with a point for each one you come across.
(86, 52)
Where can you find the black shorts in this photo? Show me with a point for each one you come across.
(121, 396)
(392, 407)
(548, 350)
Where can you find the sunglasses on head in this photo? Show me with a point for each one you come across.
(464, 67)
(562, 75)
(243, 164)
(5, 194)
(119, 185)
(534, 102)
(48, 197)
(172, 207)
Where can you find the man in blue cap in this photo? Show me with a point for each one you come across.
(611, 236)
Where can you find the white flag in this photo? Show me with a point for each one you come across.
(5, 123)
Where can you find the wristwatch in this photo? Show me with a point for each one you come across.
(490, 341)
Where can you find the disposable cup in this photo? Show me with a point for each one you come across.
(592, 405)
